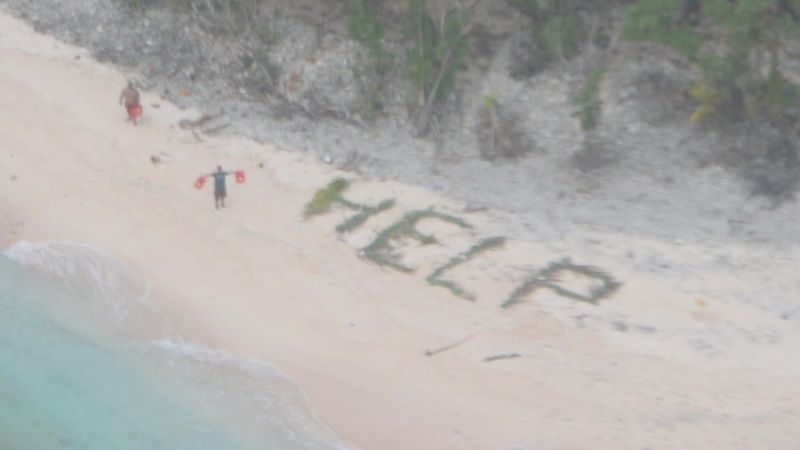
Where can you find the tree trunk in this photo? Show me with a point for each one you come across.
(424, 119)
(423, 123)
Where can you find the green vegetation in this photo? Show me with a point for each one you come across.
(777, 95)
(482, 246)
(365, 213)
(365, 28)
(499, 131)
(244, 19)
(709, 99)
(268, 35)
(548, 278)
(589, 100)
(490, 100)
(558, 32)
(438, 54)
(737, 46)
(324, 198)
(658, 21)
(561, 35)
(363, 25)
(379, 250)
(730, 42)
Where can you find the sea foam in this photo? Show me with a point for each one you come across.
(90, 271)
(250, 395)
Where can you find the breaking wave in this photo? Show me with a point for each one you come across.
(102, 299)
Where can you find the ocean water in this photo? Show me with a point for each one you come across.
(87, 362)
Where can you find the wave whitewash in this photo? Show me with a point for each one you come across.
(68, 382)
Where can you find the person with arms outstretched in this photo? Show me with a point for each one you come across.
(220, 191)
(131, 98)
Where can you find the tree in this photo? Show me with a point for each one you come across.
(438, 54)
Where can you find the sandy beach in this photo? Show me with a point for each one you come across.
(686, 353)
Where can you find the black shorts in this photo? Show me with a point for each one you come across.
(219, 193)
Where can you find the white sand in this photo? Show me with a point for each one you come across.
(690, 363)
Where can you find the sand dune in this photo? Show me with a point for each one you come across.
(688, 353)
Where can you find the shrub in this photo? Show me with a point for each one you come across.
(732, 86)
(438, 53)
(561, 35)
(589, 100)
(365, 28)
(557, 32)
(500, 132)
(709, 98)
(657, 21)
(776, 97)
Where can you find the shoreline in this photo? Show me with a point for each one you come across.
(257, 280)
(75, 305)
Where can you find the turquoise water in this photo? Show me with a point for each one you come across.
(73, 377)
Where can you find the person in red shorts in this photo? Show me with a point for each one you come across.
(131, 98)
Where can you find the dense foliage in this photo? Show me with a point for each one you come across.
(738, 46)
